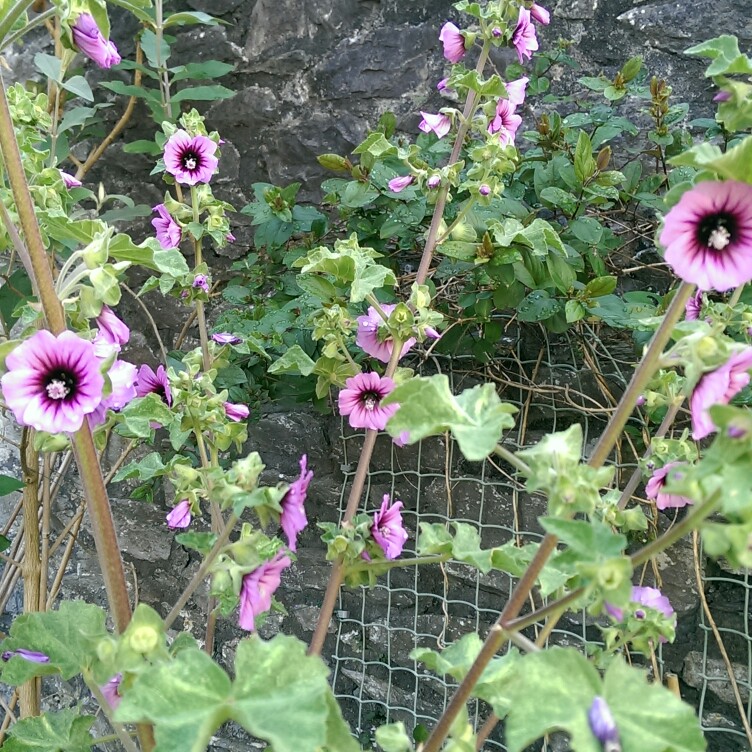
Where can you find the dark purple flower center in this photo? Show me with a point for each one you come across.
(60, 385)
(371, 400)
(190, 160)
(717, 231)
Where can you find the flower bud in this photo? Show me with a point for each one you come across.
(603, 726)
(144, 639)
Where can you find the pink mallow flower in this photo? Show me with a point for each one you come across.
(226, 338)
(505, 123)
(258, 588)
(693, 307)
(523, 38)
(167, 229)
(440, 124)
(110, 691)
(373, 337)
(644, 596)
(69, 181)
(654, 488)
(293, 518)
(399, 184)
(387, 529)
(89, 39)
(453, 41)
(361, 400)
(718, 387)
(708, 235)
(53, 383)
(157, 383)
(516, 91)
(540, 14)
(33, 656)
(123, 377)
(112, 331)
(236, 412)
(179, 516)
(190, 159)
(200, 282)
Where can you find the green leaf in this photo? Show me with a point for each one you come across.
(204, 70)
(203, 94)
(560, 199)
(79, 86)
(584, 164)
(537, 306)
(553, 691)
(466, 547)
(587, 538)
(369, 278)
(191, 17)
(4, 543)
(69, 636)
(201, 542)
(600, 286)
(61, 731)
(650, 718)
(274, 676)
(725, 54)
(9, 484)
(49, 66)
(476, 418)
(187, 700)
(377, 145)
(171, 261)
(295, 360)
(141, 412)
(393, 738)
(142, 146)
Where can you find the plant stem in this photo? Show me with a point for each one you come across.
(198, 258)
(118, 728)
(512, 459)
(36, 21)
(517, 599)
(198, 578)
(396, 563)
(11, 16)
(438, 210)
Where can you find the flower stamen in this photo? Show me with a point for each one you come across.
(719, 238)
(57, 389)
(370, 402)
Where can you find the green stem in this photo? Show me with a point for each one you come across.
(203, 570)
(512, 459)
(198, 259)
(460, 216)
(438, 210)
(396, 563)
(36, 21)
(122, 734)
(373, 300)
(11, 16)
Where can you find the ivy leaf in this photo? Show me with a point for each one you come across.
(295, 360)
(725, 54)
(476, 417)
(186, 699)
(277, 675)
(553, 690)
(466, 547)
(62, 731)
(69, 636)
(650, 718)
(587, 538)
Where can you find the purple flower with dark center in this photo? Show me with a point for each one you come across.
(110, 691)
(440, 124)
(257, 590)
(89, 39)
(200, 282)
(654, 488)
(293, 518)
(708, 235)
(236, 412)
(190, 159)
(361, 400)
(516, 91)
(524, 38)
(167, 229)
(387, 529)
(53, 383)
(434, 182)
(506, 122)
(540, 14)
(603, 725)
(33, 656)
(718, 387)
(399, 184)
(453, 41)
(123, 377)
(154, 383)
(693, 307)
(111, 329)
(180, 516)
(645, 596)
(373, 336)
(226, 338)
(69, 181)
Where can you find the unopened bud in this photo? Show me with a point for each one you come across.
(603, 726)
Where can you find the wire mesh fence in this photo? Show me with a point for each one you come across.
(554, 383)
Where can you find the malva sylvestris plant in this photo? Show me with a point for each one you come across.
(67, 380)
